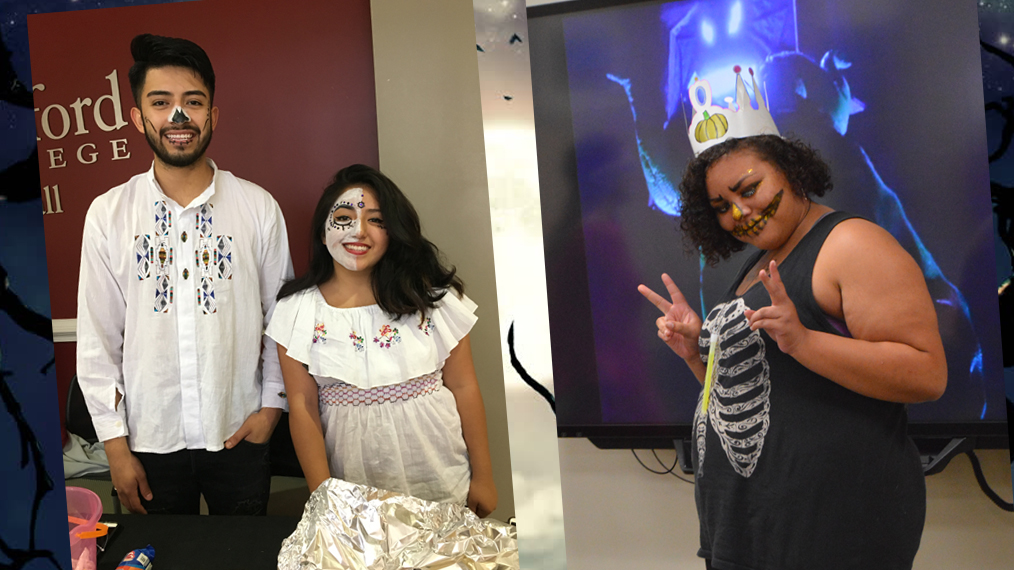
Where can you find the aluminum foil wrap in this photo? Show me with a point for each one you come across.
(354, 527)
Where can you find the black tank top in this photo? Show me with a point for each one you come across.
(794, 471)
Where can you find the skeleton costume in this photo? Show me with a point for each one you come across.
(795, 471)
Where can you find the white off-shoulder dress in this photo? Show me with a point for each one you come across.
(388, 420)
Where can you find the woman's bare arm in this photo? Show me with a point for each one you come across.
(304, 420)
(863, 276)
(459, 377)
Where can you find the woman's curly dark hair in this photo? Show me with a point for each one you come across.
(807, 174)
(410, 277)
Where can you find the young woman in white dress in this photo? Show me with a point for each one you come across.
(374, 348)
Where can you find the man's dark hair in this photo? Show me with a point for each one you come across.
(410, 277)
(152, 52)
(807, 174)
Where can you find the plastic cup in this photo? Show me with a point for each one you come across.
(83, 511)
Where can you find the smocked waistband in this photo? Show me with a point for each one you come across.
(342, 394)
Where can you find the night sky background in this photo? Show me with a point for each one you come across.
(32, 534)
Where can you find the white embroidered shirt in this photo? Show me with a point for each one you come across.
(172, 305)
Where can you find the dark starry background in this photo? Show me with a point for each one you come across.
(26, 541)
(996, 35)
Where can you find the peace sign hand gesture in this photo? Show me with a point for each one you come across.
(780, 320)
(679, 326)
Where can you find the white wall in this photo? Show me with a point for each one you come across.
(429, 120)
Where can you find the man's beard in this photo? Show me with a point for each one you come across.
(177, 160)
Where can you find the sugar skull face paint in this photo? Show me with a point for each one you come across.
(179, 116)
(176, 116)
(354, 233)
(754, 225)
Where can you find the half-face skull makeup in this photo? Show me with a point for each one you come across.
(353, 240)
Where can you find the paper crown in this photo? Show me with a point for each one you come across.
(713, 124)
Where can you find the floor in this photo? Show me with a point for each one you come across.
(618, 515)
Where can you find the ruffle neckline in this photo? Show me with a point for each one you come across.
(364, 346)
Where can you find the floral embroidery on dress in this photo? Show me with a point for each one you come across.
(357, 341)
(426, 326)
(319, 333)
(388, 335)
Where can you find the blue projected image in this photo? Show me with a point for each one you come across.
(748, 32)
(840, 76)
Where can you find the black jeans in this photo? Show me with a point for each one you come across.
(233, 481)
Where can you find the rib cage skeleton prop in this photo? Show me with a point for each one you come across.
(740, 404)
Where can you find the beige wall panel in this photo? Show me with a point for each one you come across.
(431, 144)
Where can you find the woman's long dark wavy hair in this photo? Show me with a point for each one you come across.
(410, 277)
(807, 174)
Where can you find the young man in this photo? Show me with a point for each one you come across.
(179, 271)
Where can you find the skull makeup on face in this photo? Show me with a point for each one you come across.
(354, 233)
(754, 226)
(179, 116)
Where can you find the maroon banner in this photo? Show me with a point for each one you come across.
(295, 89)
(294, 86)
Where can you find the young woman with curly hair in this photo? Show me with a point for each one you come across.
(800, 440)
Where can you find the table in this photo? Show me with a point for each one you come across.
(198, 541)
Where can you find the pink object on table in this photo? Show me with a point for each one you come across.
(83, 511)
